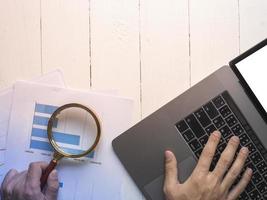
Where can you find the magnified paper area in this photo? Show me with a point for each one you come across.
(74, 130)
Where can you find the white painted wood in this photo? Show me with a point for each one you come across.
(65, 39)
(253, 22)
(214, 35)
(19, 40)
(115, 48)
(164, 52)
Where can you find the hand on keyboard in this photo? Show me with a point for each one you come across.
(205, 184)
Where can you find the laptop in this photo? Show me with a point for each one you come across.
(232, 100)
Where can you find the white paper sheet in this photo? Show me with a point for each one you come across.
(52, 78)
(98, 178)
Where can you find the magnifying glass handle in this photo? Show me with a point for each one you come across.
(47, 171)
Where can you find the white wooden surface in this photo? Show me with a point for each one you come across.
(149, 50)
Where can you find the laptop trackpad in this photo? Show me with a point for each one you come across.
(155, 188)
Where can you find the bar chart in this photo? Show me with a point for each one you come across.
(39, 140)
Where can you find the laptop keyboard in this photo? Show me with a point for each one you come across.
(221, 113)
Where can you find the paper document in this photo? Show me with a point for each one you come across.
(6, 96)
(96, 177)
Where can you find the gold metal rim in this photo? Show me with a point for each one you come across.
(50, 135)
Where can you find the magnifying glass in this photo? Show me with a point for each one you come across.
(73, 131)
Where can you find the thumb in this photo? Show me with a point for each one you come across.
(171, 171)
(52, 186)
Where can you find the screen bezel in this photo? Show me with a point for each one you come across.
(242, 80)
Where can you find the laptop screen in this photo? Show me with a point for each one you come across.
(254, 70)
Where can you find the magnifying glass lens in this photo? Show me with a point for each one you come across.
(74, 131)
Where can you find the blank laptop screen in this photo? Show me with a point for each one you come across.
(254, 70)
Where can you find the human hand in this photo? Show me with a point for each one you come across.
(26, 185)
(206, 185)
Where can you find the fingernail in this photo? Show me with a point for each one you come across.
(168, 155)
(235, 138)
(217, 133)
(249, 171)
(244, 150)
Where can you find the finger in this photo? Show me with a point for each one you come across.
(6, 189)
(34, 174)
(241, 186)
(208, 152)
(235, 169)
(11, 173)
(51, 190)
(226, 157)
(170, 171)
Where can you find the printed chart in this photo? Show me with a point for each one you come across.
(39, 140)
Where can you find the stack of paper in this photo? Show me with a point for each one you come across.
(98, 177)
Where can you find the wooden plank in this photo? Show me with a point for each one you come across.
(65, 39)
(253, 22)
(164, 52)
(19, 40)
(214, 35)
(115, 48)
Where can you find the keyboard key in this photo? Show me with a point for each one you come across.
(181, 126)
(211, 110)
(244, 139)
(264, 176)
(218, 102)
(256, 178)
(202, 117)
(195, 145)
(231, 120)
(188, 135)
(244, 196)
(221, 147)
(225, 131)
(255, 195)
(203, 140)
(219, 122)
(256, 158)
(250, 187)
(195, 126)
(225, 111)
(237, 129)
(198, 152)
(251, 147)
(264, 196)
(262, 187)
(262, 167)
(210, 129)
(215, 159)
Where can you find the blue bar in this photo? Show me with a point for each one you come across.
(60, 184)
(77, 151)
(43, 121)
(48, 109)
(35, 144)
(58, 137)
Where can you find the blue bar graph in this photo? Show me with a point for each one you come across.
(64, 138)
(43, 121)
(77, 151)
(42, 108)
(36, 144)
(58, 137)
(41, 145)
(60, 184)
